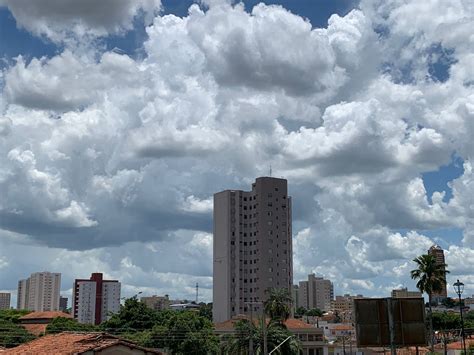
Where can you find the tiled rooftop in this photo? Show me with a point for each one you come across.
(72, 343)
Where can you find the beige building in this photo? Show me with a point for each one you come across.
(252, 246)
(39, 292)
(5, 300)
(158, 303)
(438, 253)
(404, 293)
(343, 306)
(315, 293)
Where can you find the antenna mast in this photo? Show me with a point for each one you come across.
(197, 292)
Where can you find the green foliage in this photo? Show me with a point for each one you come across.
(61, 324)
(181, 332)
(300, 311)
(277, 305)
(448, 302)
(446, 321)
(315, 312)
(276, 334)
(133, 316)
(11, 333)
(206, 310)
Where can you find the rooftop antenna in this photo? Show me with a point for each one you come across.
(197, 292)
(270, 171)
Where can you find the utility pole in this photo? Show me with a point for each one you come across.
(197, 292)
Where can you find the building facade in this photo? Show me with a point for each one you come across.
(252, 247)
(158, 303)
(39, 292)
(404, 293)
(343, 306)
(5, 299)
(95, 299)
(438, 253)
(315, 293)
(63, 301)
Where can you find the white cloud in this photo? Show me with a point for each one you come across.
(100, 150)
(57, 19)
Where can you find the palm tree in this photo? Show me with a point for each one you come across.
(239, 344)
(278, 305)
(431, 277)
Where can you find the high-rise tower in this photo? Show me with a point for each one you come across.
(252, 246)
(438, 253)
(39, 292)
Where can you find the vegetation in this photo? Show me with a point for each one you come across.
(315, 312)
(180, 332)
(61, 324)
(450, 320)
(11, 333)
(277, 307)
(431, 278)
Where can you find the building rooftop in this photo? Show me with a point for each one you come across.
(73, 343)
(291, 323)
(45, 315)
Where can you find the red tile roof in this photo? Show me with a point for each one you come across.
(46, 315)
(458, 345)
(73, 343)
(35, 329)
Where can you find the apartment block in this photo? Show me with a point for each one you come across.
(252, 247)
(158, 303)
(39, 292)
(343, 306)
(438, 253)
(95, 299)
(404, 293)
(5, 299)
(315, 293)
(63, 301)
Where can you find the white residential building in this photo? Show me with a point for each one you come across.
(39, 292)
(95, 299)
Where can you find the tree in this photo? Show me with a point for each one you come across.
(300, 311)
(315, 312)
(185, 332)
(133, 316)
(276, 334)
(11, 332)
(431, 277)
(448, 302)
(205, 310)
(61, 324)
(277, 306)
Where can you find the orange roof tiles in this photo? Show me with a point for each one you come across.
(73, 343)
(46, 315)
(35, 329)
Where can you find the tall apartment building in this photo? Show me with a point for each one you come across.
(95, 299)
(252, 247)
(5, 300)
(39, 292)
(315, 293)
(404, 293)
(438, 253)
(63, 304)
(344, 307)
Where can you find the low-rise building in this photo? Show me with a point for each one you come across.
(404, 293)
(36, 322)
(343, 307)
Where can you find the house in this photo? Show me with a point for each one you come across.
(310, 337)
(36, 322)
(80, 344)
(456, 347)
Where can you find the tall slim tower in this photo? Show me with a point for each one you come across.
(252, 247)
(438, 253)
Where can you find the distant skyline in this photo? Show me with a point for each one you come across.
(120, 120)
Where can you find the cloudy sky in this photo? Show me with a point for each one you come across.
(119, 119)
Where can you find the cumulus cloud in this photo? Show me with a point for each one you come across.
(57, 19)
(101, 150)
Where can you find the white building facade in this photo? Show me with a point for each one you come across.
(95, 299)
(40, 292)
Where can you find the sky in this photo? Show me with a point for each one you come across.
(120, 119)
